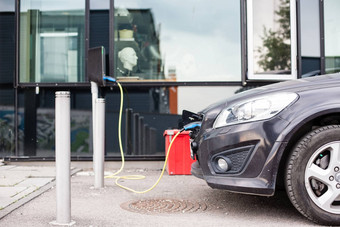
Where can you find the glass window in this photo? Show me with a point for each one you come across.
(52, 41)
(7, 129)
(271, 31)
(310, 38)
(99, 4)
(100, 26)
(36, 123)
(7, 68)
(177, 40)
(147, 113)
(7, 41)
(187, 96)
(310, 28)
(7, 6)
(332, 33)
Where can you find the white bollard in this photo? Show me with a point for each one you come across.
(99, 149)
(63, 158)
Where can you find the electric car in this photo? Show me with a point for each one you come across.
(286, 133)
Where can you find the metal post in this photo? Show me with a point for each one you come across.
(146, 139)
(141, 135)
(128, 131)
(63, 157)
(136, 133)
(153, 140)
(94, 92)
(99, 149)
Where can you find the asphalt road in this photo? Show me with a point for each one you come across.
(112, 206)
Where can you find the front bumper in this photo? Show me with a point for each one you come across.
(252, 149)
(196, 170)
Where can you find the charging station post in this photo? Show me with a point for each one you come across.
(96, 71)
(98, 129)
(94, 93)
(63, 158)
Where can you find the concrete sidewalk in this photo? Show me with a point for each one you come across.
(22, 182)
(177, 200)
(18, 182)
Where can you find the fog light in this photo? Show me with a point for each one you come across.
(223, 164)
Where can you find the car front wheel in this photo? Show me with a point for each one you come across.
(313, 175)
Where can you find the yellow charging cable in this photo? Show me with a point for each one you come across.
(134, 177)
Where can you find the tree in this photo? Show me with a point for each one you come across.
(275, 51)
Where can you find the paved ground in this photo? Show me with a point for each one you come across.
(16, 182)
(193, 204)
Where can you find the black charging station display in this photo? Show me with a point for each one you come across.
(96, 65)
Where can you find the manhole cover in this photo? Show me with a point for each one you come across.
(164, 206)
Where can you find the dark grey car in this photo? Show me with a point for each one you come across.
(285, 133)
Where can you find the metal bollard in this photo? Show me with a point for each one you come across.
(136, 133)
(99, 149)
(128, 131)
(63, 158)
(141, 135)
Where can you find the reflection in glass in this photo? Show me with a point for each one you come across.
(178, 40)
(99, 4)
(310, 28)
(52, 41)
(7, 6)
(7, 41)
(7, 130)
(310, 38)
(145, 117)
(36, 123)
(271, 36)
(332, 33)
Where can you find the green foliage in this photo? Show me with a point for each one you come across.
(79, 143)
(6, 136)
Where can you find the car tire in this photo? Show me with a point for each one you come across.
(312, 177)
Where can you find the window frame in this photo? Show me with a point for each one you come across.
(250, 75)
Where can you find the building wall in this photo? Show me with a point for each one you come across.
(177, 44)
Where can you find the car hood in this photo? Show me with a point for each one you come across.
(300, 85)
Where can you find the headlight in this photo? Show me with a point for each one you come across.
(255, 109)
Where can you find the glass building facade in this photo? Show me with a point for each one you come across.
(168, 55)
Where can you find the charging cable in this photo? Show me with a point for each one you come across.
(136, 177)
